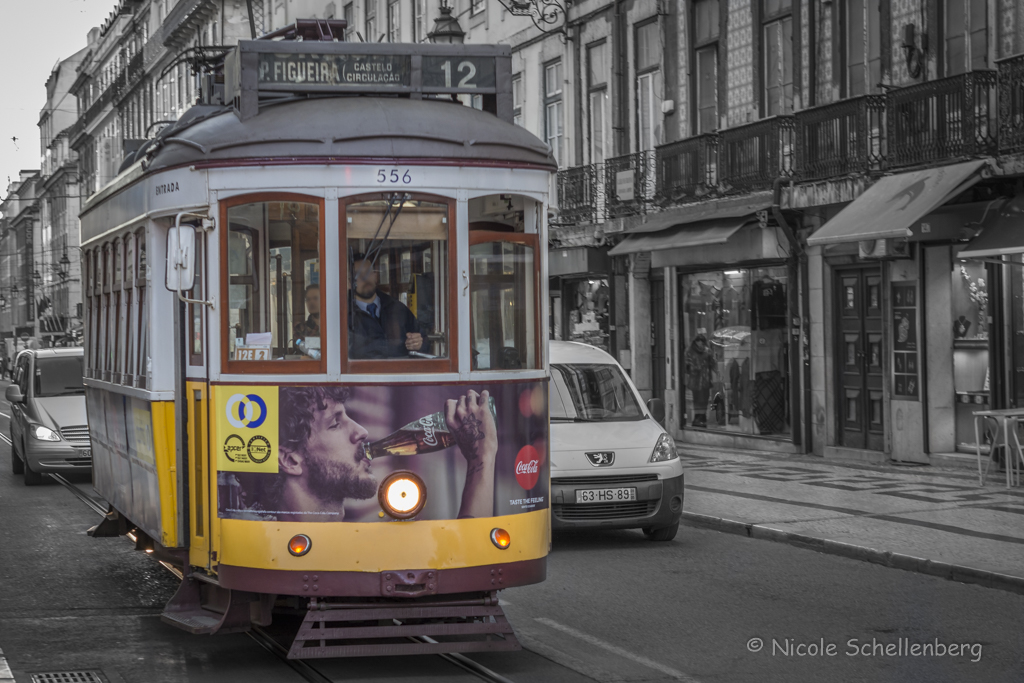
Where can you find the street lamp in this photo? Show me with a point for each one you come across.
(36, 277)
(64, 267)
(446, 28)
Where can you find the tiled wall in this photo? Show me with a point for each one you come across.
(740, 93)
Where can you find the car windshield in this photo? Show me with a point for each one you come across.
(59, 376)
(592, 393)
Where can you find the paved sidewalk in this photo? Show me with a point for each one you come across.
(924, 519)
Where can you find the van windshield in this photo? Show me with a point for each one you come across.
(592, 393)
(59, 376)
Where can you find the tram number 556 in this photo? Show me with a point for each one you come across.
(393, 176)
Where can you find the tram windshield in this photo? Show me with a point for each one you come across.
(58, 376)
(398, 279)
(275, 307)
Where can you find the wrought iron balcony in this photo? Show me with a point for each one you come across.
(629, 184)
(753, 155)
(580, 194)
(1011, 104)
(941, 120)
(687, 169)
(841, 138)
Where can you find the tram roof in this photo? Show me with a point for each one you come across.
(341, 128)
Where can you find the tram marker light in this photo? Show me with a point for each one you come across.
(299, 545)
(501, 538)
(402, 495)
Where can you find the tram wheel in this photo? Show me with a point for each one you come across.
(665, 533)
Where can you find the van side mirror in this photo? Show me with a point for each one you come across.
(13, 394)
(181, 258)
(656, 406)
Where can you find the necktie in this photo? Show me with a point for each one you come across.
(372, 310)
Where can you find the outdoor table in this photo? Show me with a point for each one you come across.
(1002, 418)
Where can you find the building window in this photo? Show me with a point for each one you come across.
(597, 85)
(517, 99)
(553, 108)
(349, 15)
(863, 47)
(777, 30)
(394, 22)
(648, 85)
(476, 7)
(418, 34)
(370, 25)
(966, 35)
(705, 40)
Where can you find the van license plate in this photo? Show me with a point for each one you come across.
(604, 495)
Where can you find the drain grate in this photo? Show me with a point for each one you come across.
(69, 677)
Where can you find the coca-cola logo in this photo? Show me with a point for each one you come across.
(527, 467)
(429, 438)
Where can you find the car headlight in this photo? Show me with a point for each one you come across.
(44, 434)
(664, 450)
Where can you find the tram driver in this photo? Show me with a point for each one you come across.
(321, 461)
(380, 326)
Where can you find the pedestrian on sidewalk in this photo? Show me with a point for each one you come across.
(700, 366)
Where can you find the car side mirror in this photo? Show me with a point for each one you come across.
(656, 407)
(13, 394)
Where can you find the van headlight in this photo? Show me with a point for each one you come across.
(44, 434)
(664, 450)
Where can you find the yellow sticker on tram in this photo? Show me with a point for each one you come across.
(246, 437)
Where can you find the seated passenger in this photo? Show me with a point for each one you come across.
(310, 327)
(379, 325)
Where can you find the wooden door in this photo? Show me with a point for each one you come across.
(859, 352)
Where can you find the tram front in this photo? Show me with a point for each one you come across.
(360, 358)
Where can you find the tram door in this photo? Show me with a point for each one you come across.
(194, 405)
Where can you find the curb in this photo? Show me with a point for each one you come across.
(943, 570)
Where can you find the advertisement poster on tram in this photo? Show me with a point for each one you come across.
(319, 453)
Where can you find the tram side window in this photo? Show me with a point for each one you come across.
(275, 307)
(397, 267)
(503, 304)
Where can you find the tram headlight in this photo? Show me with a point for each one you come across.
(501, 538)
(402, 495)
(299, 545)
(45, 434)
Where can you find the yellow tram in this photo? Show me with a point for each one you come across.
(315, 347)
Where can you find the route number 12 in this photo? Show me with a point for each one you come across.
(466, 81)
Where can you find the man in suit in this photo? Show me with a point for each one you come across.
(380, 326)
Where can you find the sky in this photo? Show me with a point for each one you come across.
(39, 33)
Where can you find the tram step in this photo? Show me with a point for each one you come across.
(186, 609)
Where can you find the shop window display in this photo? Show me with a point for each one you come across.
(735, 368)
(970, 347)
(588, 306)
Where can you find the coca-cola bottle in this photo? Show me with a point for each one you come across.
(426, 435)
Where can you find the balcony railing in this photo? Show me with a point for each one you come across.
(941, 120)
(1011, 104)
(841, 138)
(752, 156)
(580, 194)
(629, 184)
(686, 169)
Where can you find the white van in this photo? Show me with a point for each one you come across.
(612, 465)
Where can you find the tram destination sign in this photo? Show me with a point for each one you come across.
(415, 70)
(379, 71)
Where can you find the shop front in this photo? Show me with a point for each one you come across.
(581, 296)
(910, 311)
(733, 378)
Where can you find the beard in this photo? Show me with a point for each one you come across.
(334, 481)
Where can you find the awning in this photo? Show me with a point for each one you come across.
(889, 207)
(1003, 236)
(717, 209)
(682, 236)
